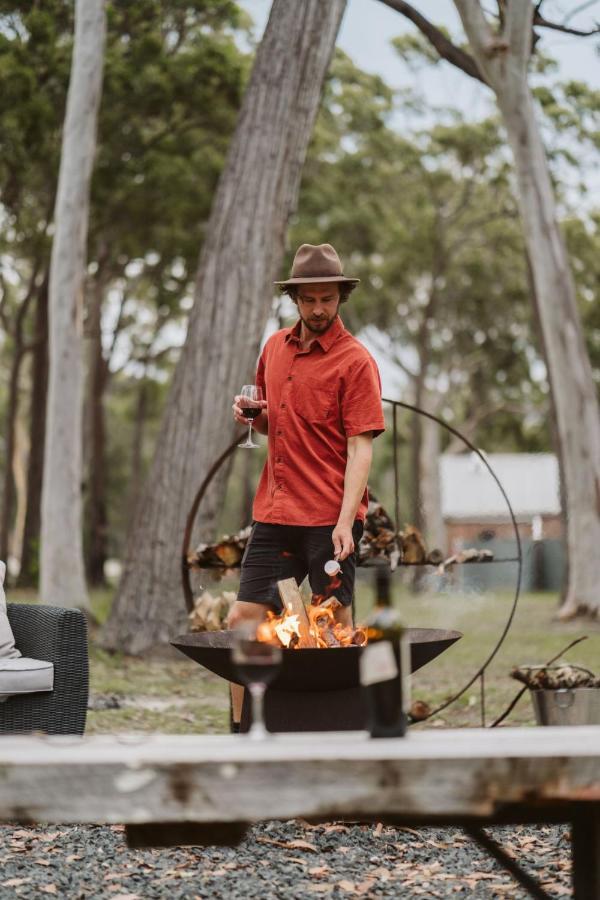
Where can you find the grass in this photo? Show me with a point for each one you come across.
(177, 696)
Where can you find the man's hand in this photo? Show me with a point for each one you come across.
(343, 542)
(237, 409)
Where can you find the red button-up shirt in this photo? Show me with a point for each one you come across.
(316, 400)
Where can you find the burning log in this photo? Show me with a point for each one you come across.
(299, 627)
(294, 606)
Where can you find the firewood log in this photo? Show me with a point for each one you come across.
(294, 604)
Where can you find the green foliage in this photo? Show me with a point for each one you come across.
(428, 222)
(423, 213)
(173, 82)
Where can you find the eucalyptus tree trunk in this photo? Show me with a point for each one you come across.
(62, 569)
(241, 256)
(94, 444)
(12, 410)
(30, 553)
(503, 60)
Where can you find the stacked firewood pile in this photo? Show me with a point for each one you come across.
(224, 554)
(210, 612)
(380, 540)
(555, 678)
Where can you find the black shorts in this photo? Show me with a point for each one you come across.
(276, 552)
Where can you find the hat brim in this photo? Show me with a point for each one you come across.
(319, 279)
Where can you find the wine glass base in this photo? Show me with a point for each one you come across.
(249, 445)
(258, 732)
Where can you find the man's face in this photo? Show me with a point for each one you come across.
(318, 305)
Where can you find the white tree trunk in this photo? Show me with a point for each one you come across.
(240, 258)
(503, 60)
(61, 565)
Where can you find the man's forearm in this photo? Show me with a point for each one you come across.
(358, 466)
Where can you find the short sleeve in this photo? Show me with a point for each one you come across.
(361, 406)
(260, 375)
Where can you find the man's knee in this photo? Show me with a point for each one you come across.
(242, 612)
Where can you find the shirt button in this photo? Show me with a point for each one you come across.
(283, 405)
(289, 377)
(278, 432)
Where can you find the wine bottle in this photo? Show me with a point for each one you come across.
(384, 671)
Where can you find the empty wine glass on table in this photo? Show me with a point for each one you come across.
(251, 408)
(257, 665)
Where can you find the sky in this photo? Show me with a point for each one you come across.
(368, 26)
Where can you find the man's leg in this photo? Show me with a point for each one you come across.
(318, 548)
(243, 612)
(268, 558)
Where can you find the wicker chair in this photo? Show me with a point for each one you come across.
(60, 637)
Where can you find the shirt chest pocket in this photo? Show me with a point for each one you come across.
(313, 401)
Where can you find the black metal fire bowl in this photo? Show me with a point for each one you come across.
(333, 669)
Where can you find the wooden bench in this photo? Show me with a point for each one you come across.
(204, 789)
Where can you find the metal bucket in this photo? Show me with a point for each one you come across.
(567, 706)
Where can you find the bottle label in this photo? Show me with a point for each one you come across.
(378, 663)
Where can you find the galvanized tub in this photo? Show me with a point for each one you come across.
(567, 706)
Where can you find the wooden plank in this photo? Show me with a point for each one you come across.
(294, 604)
(163, 778)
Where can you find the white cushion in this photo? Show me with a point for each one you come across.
(25, 676)
(7, 640)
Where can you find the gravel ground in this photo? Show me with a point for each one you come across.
(277, 860)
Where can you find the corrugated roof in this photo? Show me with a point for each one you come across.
(531, 482)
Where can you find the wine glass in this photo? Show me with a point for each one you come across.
(257, 665)
(251, 408)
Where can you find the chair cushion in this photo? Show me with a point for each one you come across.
(7, 640)
(25, 676)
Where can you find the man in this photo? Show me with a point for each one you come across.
(322, 410)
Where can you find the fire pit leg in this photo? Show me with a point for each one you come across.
(341, 710)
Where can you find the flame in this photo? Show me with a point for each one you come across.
(284, 630)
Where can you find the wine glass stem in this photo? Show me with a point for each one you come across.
(250, 433)
(257, 692)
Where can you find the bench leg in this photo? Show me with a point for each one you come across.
(585, 837)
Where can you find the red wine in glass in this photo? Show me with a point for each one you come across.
(250, 404)
(258, 672)
(257, 665)
(250, 412)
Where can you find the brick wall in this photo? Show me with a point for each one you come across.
(466, 533)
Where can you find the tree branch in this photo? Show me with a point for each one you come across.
(447, 50)
(557, 26)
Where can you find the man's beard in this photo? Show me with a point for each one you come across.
(319, 326)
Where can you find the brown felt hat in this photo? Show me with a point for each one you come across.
(314, 264)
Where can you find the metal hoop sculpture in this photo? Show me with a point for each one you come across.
(480, 673)
(189, 524)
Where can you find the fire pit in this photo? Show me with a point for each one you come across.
(316, 690)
